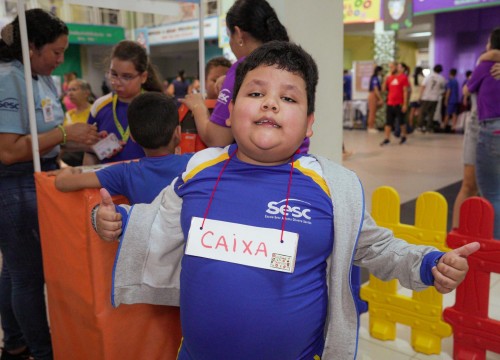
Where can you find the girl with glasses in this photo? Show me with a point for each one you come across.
(130, 73)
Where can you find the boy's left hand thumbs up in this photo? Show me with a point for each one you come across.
(108, 221)
(452, 268)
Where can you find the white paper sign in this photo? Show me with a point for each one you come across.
(243, 244)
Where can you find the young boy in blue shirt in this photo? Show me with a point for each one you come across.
(154, 125)
(266, 236)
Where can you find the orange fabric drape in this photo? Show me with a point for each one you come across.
(78, 267)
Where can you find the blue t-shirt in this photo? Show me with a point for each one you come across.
(375, 83)
(347, 87)
(180, 89)
(231, 311)
(452, 85)
(14, 117)
(141, 181)
(101, 114)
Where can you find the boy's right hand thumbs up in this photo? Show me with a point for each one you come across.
(108, 221)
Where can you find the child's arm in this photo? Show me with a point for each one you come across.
(72, 179)
(452, 267)
(491, 55)
(211, 134)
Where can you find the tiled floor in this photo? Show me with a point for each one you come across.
(425, 162)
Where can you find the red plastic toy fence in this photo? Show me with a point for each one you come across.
(474, 332)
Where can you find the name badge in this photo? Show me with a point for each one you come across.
(243, 244)
(48, 110)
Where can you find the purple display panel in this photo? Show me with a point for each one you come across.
(461, 36)
(432, 6)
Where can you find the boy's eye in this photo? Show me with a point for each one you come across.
(255, 94)
(288, 99)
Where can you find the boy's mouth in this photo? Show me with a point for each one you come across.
(268, 122)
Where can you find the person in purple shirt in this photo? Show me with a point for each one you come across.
(130, 73)
(250, 23)
(488, 146)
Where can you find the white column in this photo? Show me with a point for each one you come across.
(432, 44)
(317, 26)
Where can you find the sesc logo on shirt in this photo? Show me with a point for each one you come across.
(9, 104)
(296, 210)
(224, 96)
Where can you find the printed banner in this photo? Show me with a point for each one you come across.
(433, 6)
(361, 11)
(397, 14)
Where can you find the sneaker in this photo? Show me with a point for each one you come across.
(403, 140)
(25, 355)
(372, 131)
(385, 142)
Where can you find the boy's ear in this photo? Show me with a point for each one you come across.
(230, 106)
(310, 122)
(176, 136)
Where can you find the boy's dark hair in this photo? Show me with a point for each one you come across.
(468, 73)
(453, 72)
(43, 28)
(495, 39)
(257, 18)
(438, 68)
(285, 56)
(216, 61)
(152, 118)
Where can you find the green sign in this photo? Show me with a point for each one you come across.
(95, 34)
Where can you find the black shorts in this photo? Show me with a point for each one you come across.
(393, 114)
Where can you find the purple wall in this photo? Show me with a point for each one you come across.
(461, 36)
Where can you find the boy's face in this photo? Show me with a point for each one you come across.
(213, 74)
(269, 117)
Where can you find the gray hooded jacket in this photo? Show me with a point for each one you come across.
(148, 263)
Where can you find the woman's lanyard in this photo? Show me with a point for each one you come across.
(124, 134)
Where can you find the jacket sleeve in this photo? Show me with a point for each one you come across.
(388, 257)
(148, 261)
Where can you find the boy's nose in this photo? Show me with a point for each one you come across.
(270, 105)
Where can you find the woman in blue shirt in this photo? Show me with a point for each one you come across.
(22, 298)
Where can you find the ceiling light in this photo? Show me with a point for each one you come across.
(420, 34)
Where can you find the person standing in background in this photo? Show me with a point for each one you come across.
(80, 94)
(130, 73)
(22, 300)
(250, 23)
(347, 85)
(469, 103)
(214, 69)
(432, 88)
(375, 100)
(68, 77)
(396, 85)
(179, 87)
(488, 143)
(415, 95)
(451, 99)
